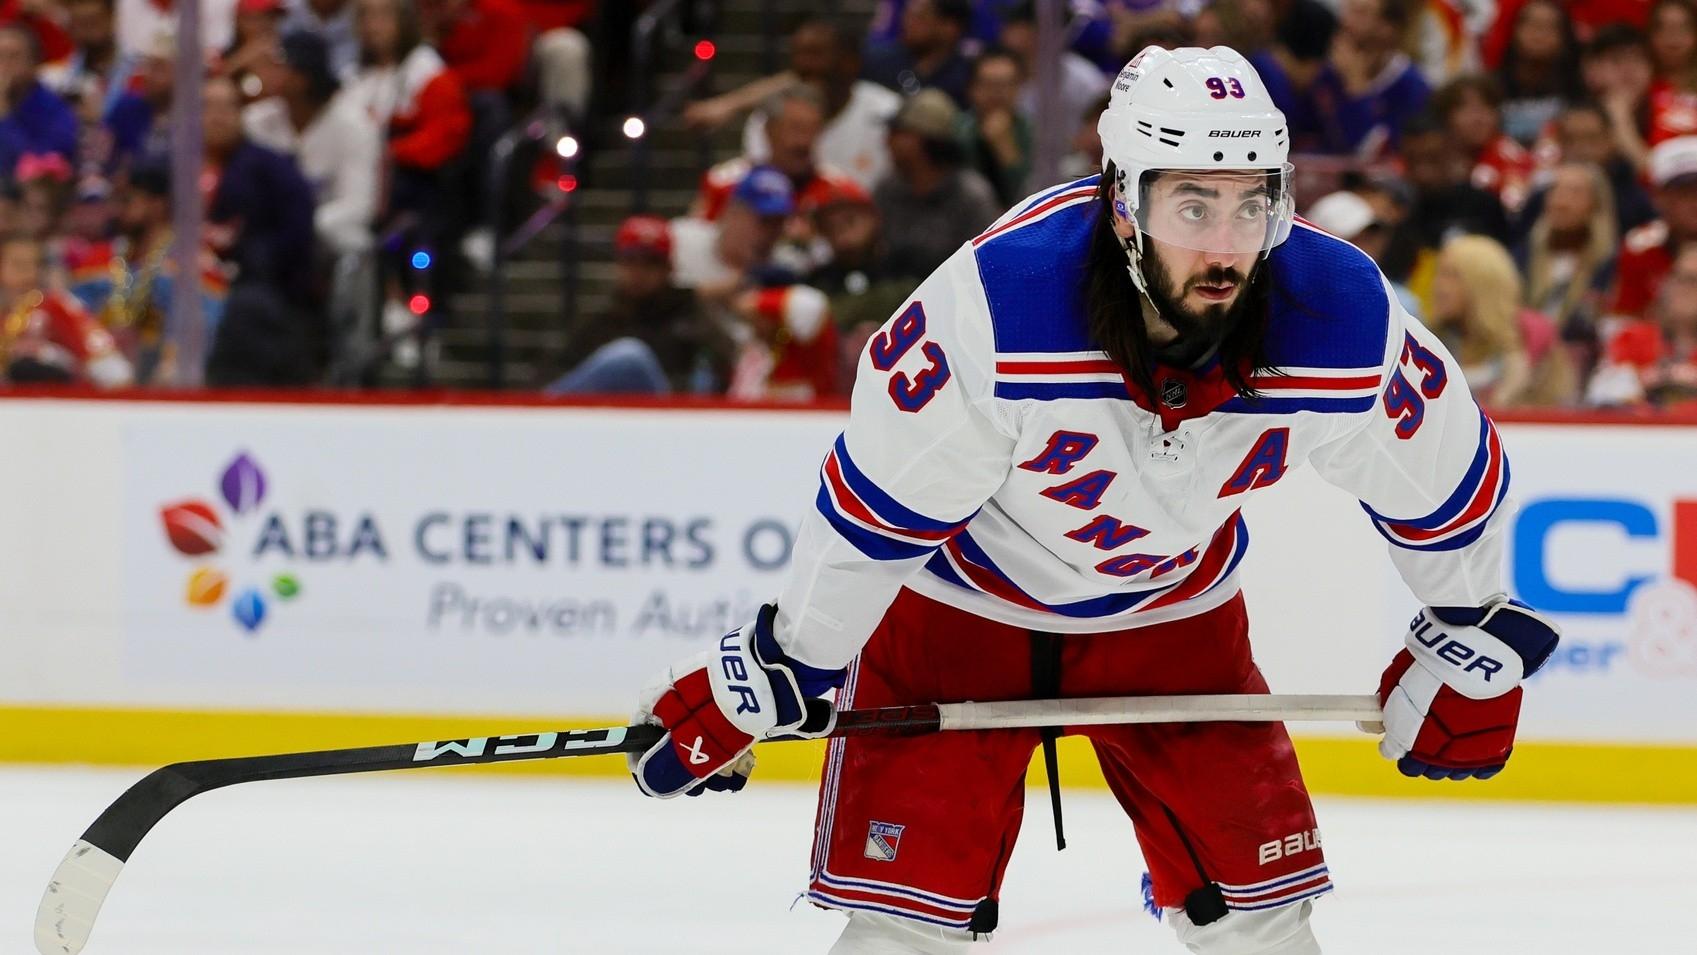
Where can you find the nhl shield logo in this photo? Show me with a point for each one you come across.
(1173, 393)
(883, 839)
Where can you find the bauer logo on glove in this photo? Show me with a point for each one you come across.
(1452, 698)
(716, 705)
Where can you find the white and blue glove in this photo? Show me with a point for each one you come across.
(716, 705)
(1452, 698)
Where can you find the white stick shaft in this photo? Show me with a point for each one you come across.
(1262, 707)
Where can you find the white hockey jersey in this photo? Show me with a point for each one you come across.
(997, 462)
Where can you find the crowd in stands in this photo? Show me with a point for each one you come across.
(1525, 172)
(341, 179)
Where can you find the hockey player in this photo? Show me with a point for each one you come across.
(1038, 495)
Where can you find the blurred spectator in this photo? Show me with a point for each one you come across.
(35, 121)
(791, 353)
(259, 219)
(338, 150)
(91, 26)
(1568, 256)
(1078, 84)
(1135, 24)
(716, 257)
(929, 53)
(1254, 28)
(259, 212)
(1368, 87)
(335, 145)
(930, 202)
(1673, 56)
(44, 186)
(1589, 17)
(1085, 159)
(419, 107)
(85, 247)
(794, 119)
(259, 28)
(857, 279)
(46, 335)
(1470, 107)
(131, 293)
(654, 338)
(1654, 360)
(141, 21)
(485, 42)
(1581, 135)
(405, 89)
(1540, 70)
(547, 15)
(1303, 31)
(1443, 203)
(156, 86)
(1352, 218)
(786, 342)
(824, 55)
(1509, 354)
(1647, 252)
(333, 20)
(490, 45)
(996, 135)
(97, 79)
(44, 19)
(1615, 67)
(1443, 39)
(562, 56)
(885, 30)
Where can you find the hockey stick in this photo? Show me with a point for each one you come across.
(80, 883)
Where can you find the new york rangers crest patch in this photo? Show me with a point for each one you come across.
(882, 841)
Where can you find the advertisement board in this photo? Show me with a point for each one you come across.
(447, 560)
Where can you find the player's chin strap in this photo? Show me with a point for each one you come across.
(1134, 264)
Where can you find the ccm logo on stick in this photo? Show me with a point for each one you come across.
(1428, 635)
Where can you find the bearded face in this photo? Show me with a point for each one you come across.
(1202, 236)
(1202, 303)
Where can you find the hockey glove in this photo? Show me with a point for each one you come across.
(716, 705)
(1452, 699)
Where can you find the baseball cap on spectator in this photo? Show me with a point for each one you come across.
(929, 113)
(1674, 162)
(767, 191)
(1343, 214)
(833, 191)
(646, 237)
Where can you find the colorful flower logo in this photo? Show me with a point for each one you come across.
(195, 529)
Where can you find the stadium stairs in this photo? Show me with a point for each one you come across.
(536, 319)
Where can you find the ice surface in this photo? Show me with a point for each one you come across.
(455, 862)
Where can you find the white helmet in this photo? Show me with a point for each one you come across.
(1196, 109)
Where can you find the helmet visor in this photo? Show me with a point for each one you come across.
(1228, 211)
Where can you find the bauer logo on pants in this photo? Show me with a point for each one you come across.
(882, 841)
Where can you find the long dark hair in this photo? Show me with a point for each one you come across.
(1564, 78)
(1114, 309)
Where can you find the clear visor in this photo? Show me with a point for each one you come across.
(1229, 211)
